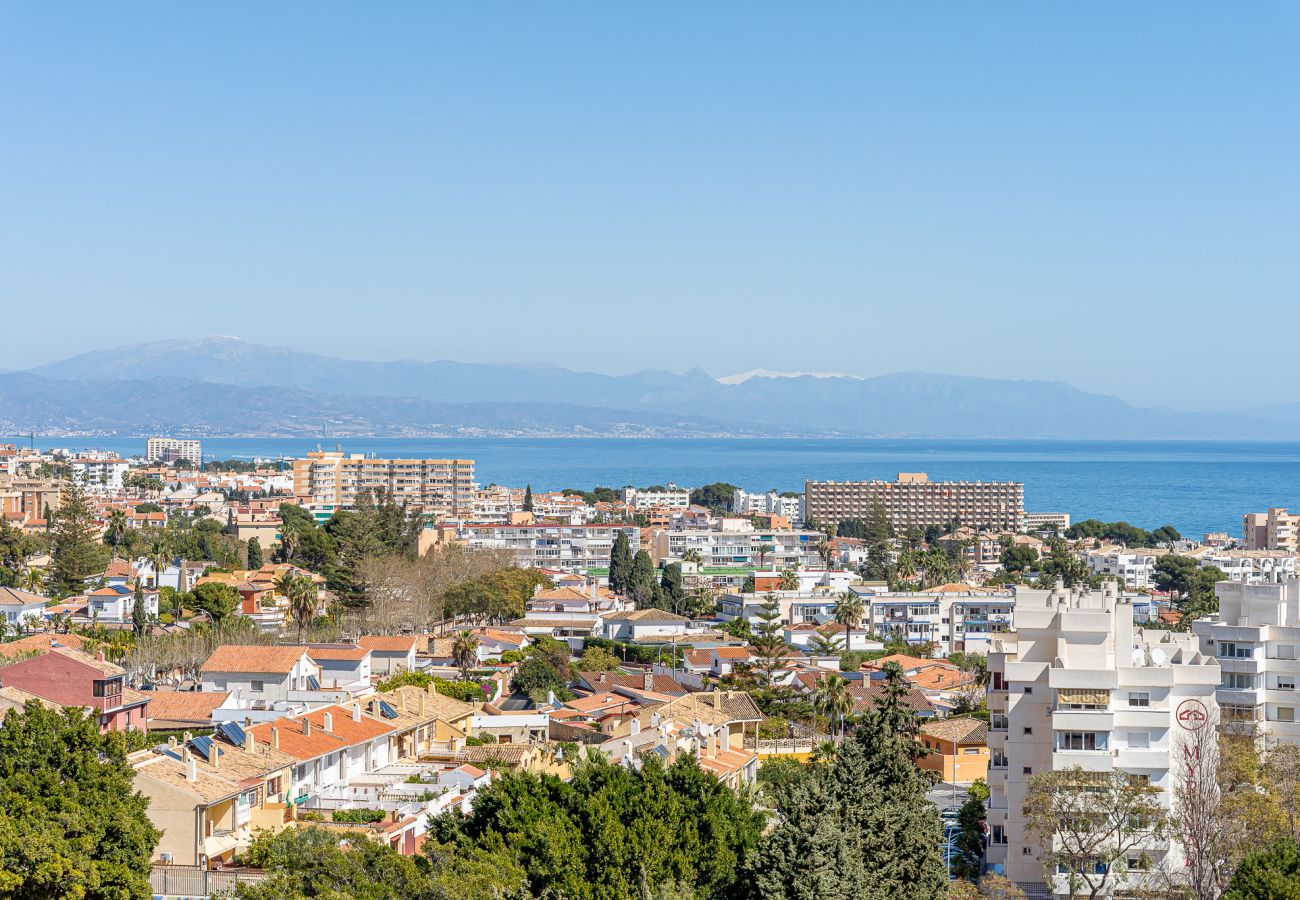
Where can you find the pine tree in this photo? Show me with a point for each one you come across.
(139, 616)
(642, 586)
(76, 550)
(528, 498)
(674, 593)
(255, 557)
(620, 564)
(767, 644)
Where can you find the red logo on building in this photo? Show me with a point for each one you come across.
(1192, 715)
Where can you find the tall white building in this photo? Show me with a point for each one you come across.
(769, 504)
(749, 549)
(1255, 636)
(168, 450)
(1078, 684)
(1136, 571)
(669, 497)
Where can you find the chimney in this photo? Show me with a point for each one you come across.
(648, 681)
(275, 738)
(422, 704)
(185, 754)
(191, 771)
(636, 727)
(356, 712)
(329, 722)
(171, 741)
(306, 726)
(601, 679)
(595, 591)
(99, 655)
(717, 699)
(250, 742)
(187, 737)
(214, 755)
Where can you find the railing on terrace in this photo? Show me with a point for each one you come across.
(193, 881)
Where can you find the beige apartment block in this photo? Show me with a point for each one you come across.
(916, 500)
(1273, 530)
(332, 480)
(169, 450)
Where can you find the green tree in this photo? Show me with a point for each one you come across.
(833, 700)
(1019, 557)
(717, 496)
(309, 862)
(857, 827)
(968, 861)
(139, 616)
(671, 588)
(71, 824)
(763, 551)
(597, 659)
(115, 532)
(1269, 874)
(74, 542)
(620, 564)
(528, 498)
(16, 547)
(216, 599)
(357, 535)
(300, 591)
(256, 559)
(641, 583)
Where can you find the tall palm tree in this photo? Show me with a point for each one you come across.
(464, 652)
(834, 700)
(300, 590)
(789, 580)
(849, 609)
(160, 556)
(763, 551)
(115, 533)
(691, 556)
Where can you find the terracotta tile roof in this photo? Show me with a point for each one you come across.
(15, 597)
(185, 706)
(343, 653)
(44, 642)
(865, 693)
(471, 771)
(255, 658)
(388, 643)
(293, 742)
(649, 616)
(510, 754)
(701, 659)
(16, 698)
(659, 683)
(732, 653)
(504, 637)
(965, 731)
(119, 568)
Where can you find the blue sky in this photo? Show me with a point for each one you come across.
(1105, 194)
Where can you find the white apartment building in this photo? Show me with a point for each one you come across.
(331, 480)
(169, 450)
(583, 549)
(958, 620)
(717, 548)
(670, 497)
(1136, 571)
(769, 504)
(1255, 636)
(1078, 684)
(1039, 521)
(1251, 566)
(99, 475)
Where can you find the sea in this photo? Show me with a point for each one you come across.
(1196, 486)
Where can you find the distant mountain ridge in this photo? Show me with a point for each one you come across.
(227, 385)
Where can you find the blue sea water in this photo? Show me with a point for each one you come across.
(1197, 486)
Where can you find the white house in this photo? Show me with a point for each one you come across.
(268, 673)
(344, 666)
(16, 604)
(644, 625)
(116, 604)
(390, 653)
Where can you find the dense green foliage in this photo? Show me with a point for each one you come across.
(614, 833)
(214, 598)
(494, 596)
(545, 670)
(16, 547)
(620, 564)
(717, 496)
(71, 825)
(1191, 584)
(859, 827)
(78, 554)
(1269, 874)
(256, 559)
(1122, 532)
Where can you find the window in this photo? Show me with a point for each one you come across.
(1139, 698)
(1082, 740)
(1028, 770)
(1284, 651)
(1028, 689)
(1239, 681)
(1286, 682)
(1234, 650)
(1139, 740)
(999, 834)
(106, 687)
(1028, 730)
(257, 686)
(1026, 850)
(1286, 713)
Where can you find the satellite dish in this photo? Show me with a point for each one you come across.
(1158, 657)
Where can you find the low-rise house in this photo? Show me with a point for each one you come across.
(115, 605)
(391, 653)
(268, 673)
(801, 636)
(492, 642)
(959, 749)
(17, 605)
(645, 625)
(171, 710)
(210, 797)
(344, 666)
(71, 678)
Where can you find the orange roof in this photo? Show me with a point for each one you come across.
(43, 642)
(235, 658)
(338, 652)
(732, 652)
(119, 568)
(293, 742)
(388, 643)
(185, 706)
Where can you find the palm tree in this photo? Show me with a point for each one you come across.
(116, 530)
(160, 556)
(849, 609)
(464, 652)
(300, 591)
(905, 568)
(33, 579)
(763, 551)
(691, 556)
(834, 700)
(789, 580)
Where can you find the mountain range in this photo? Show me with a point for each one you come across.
(228, 386)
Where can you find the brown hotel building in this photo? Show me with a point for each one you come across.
(916, 500)
(331, 480)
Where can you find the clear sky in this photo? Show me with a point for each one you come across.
(1102, 193)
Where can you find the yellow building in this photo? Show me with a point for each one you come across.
(959, 749)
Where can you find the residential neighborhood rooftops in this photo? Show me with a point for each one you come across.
(389, 643)
(961, 730)
(185, 706)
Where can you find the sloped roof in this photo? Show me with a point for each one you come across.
(647, 616)
(185, 706)
(255, 658)
(963, 730)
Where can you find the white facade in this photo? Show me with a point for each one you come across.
(1252, 566)
(957, 622)
(1037, 521)
(99, 476)
(789, 549)
(1136, 571)
(770, 503)
(268, 686)
(672, 497)
(1077, 684)
(568, 548)
(1256, 636)
(169, 450)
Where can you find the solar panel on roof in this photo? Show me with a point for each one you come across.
(387, 711)
(313, 683)
(203, 746)
(232, 732)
